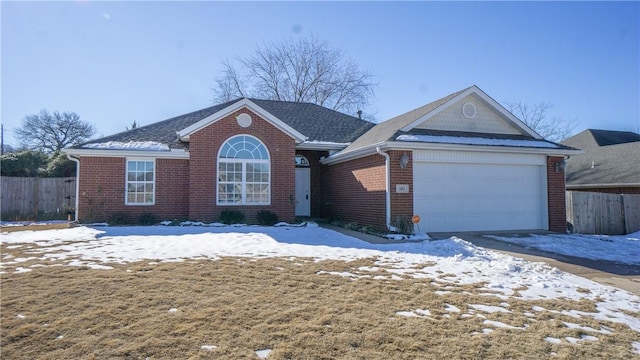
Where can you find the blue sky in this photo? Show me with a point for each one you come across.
(116, 62)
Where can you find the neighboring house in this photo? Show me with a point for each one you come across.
(610, 162)
(462, 163)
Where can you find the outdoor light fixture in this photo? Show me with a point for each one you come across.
(404, 160)
(560, 165)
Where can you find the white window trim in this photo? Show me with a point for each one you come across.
(126, 181)
(243, 193)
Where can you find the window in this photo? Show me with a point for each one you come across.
(301, 160)
(244, 177)
(140, 182)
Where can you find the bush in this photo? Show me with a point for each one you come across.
(28, 163)
(267, 218)
(405, 225)
(119, 218)
(148, 219)
(231, 217)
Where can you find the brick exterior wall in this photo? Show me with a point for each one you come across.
(186, 189)
(102, 190)
(203, 148)
(318, 189)
(357, 191)
(401, 203)
(556, 196)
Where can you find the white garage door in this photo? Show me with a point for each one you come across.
(494, 192)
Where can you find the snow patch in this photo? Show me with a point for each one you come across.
(477, 141)
(129, 145)
(499, 324)
(488, 308)
(623, 249)
(263, 354)
(553, 340)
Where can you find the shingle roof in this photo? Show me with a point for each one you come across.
(609, 137)
(609, 157)
(390, 130)
(387, 130)
(314, 121)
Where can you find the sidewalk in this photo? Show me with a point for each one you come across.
(626, 277)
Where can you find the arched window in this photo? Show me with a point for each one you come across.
(244, 176)
(302, 160)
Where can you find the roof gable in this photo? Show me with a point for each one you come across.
(445, 116)
(471, 110)
(185, 133)
(470, 114)
(322, 128)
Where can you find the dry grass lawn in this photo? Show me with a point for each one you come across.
(241, 305)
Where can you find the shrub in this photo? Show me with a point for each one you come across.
(405, 225)
(267, 218)
(119, 218)
(148, 219)
(231, 217)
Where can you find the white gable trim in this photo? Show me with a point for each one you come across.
(486, 98)
(184, 134)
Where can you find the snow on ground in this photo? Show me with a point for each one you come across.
(623, 249)
(450, 262)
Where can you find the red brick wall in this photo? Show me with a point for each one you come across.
(318, 190)
(401, 203)
(203, 148)
(556, 196)
(356, 191)
(102, 190)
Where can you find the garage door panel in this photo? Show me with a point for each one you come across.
(468, 197)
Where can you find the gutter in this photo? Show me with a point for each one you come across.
(77, 161)
(408, 145)
(387, 166)
(612, 185)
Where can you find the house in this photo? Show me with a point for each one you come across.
(610, 162)
(462, 162)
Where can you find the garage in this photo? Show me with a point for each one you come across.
(479, 191)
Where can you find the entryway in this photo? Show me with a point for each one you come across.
(303, 196)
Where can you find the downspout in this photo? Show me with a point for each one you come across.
(387, 166)
(77, 161)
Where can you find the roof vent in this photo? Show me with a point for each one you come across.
(469, 110)
(244, 120)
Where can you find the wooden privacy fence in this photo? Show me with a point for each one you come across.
(28, 196)
(601, 213)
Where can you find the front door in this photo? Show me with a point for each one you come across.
(303, 198)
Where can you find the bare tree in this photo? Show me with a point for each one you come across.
(307, 70)
(536, 117)
(51, 133)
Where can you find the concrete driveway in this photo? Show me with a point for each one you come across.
(622, 276)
